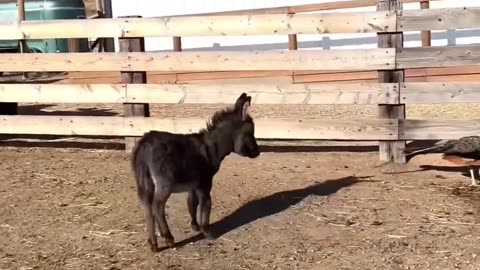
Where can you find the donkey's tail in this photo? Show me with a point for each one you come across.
(143, 179)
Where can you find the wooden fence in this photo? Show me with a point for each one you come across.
(391, 93)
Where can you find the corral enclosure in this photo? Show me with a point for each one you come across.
(281, 211)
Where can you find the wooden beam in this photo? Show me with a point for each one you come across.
(301, 8)
(351, 129)
(445, 56)
(439, 19)
(292, 42)
(63, 93)
(177, 44)
(74, 45)
(368, 93)
(208, 93)
(201, 61)
(451, 129)
(234, 25)
(108, 44)
(139, 77)
(391, 151)
(426, 35)
(21, 18)
(440, 92)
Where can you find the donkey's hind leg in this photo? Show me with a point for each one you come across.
(162, 193)
(192, 203)
(146, 193)
(150, 220)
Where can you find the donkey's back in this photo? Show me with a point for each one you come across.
(163, 158)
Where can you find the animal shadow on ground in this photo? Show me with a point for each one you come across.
(273, 204)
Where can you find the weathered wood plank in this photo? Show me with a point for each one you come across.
(301, 8)
(232, 25)
(310, 129)
(388, 150)
(211, 93)
(361, 93)
(445, 56)
(201, 61)
(440, 92)
(63, 93)
(438, 19)
(416, 129)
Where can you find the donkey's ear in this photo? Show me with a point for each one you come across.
(246, 107)
(240, 100)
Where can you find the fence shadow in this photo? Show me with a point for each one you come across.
(38, 109)
(317, 148)
(463, 170)
(62, 144)
(58, 141)
(273, 204)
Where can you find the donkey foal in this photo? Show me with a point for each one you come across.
(165, 163)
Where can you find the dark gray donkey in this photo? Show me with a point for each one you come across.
(165, 163)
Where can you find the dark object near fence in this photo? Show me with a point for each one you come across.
(464, 152)
(166, 163)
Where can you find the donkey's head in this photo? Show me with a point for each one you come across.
(233, 129)
(245, 143)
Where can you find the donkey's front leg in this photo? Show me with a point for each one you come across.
(192, 203)
(205, 205)
(159, 201)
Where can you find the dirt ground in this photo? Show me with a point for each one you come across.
(77, 209)
(73, 208)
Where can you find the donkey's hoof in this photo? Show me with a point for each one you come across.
(153, 245)
(170, 242)
(208, 235)
(195, 227)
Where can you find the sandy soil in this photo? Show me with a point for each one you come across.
(71, 208)
(77, 209)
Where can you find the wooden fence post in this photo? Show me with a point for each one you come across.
(391, 150)
(292, 40)
(426, 35)
(133, 109)
(177, 44)
(11, 108)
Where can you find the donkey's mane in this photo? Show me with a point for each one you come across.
(226, 114)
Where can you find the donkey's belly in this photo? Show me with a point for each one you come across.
(184, 187)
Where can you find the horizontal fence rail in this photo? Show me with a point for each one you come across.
(351, 59)
(445, 129)
(262, 93)
(242, 25)
(445, 56)
(307, 129)
(438, 19)
(201, 61)
(233, 25)
(303, 8)
(440, 93)
(211, 93)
